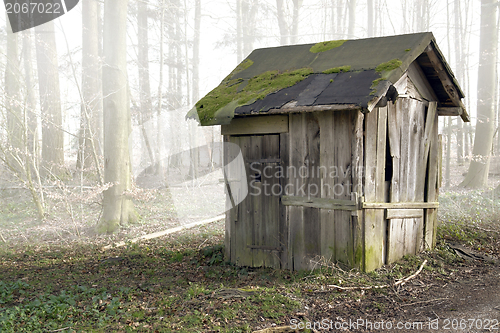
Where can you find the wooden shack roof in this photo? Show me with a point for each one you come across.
(343, 74)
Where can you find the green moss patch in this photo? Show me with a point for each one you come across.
(338, 69)
(325, 46)
(389, 66)
(258, 87)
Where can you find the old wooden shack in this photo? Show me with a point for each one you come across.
(341, 150)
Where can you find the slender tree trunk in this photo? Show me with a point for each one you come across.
(459, 70)
(91, 92)
(13, 98)
(239, 31)
(488, 44)
(284, 31)
(29, 82)
(448, 153)
(369, 30)
(196, 50)
(294, 38)
(146, 107)
(352, 18)
(50, 99)
(118, 209)
(159, 122)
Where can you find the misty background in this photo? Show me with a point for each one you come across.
(55, 90)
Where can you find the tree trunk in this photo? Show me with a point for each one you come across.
(459, 71)
(196, 50)
(118, 209)
(352, 18)
(284, 31)
(50, 99)
(239, 31)
(479, 166)
(294, 38)
(91, 92)
(369, 5)
(146, 107)
(29, 82)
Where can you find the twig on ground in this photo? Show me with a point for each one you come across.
(1, 236)
(61, 329)
(428, 301)
(397, 283)
(165, 232)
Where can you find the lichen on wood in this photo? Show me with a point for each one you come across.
(325, 46)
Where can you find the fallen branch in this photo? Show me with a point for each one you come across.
(397, 283)
(164, 232)
(428, 301)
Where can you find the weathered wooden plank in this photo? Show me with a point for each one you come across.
(323, 203)
(292, 107)
(450, 111)
(432, 170)
(327, 223)
(296, 214)
(357, 189)
(400, 213)
(284, 224)
(230, 213)
(406, 205)
(343, 130)
(394, 148)
(374, 223)
(370, 155)
(404, 123)
(420, 81)
(253, 125)
(395, 239)
(446, 80)
(312, 228)
(243, 226)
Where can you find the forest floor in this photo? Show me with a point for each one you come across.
(55, 276)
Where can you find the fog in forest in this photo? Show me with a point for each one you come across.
(117, 71)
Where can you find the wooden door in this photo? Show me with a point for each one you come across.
(255, 238)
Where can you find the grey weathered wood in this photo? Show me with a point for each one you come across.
(396, 239)
(252, 125)
(406, 205)
(446, 80)
(327, 142)
(430, 217)
(292, 107)
(421, 83)
(374, 223)
(401, 213)
(450, 111)
(311, 223)
(343, 129)
(284, 224)
(323, 203)
(357, 188)
(296, 214)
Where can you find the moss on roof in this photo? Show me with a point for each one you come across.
(232, 92)
(325, 46)
(389, 65)
(337, 69)
(269, 70)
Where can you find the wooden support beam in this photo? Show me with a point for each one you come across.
(256, 125)
(446, 80)
(408, 205)
(401, 213)
(450, 111)
(292, 107)
(323, 203)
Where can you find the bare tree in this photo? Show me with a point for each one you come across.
(477, 176)
(118, 209)
(289, 32)
(50, 99)
(91, 108)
